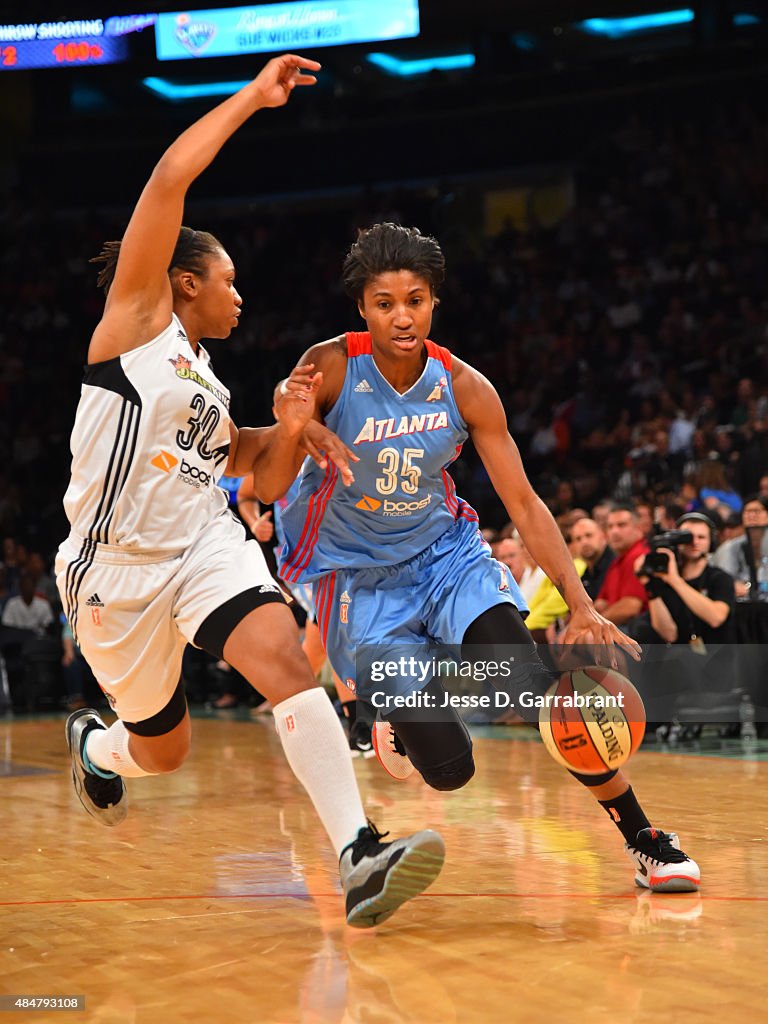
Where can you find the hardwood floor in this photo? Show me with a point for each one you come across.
(218, 899)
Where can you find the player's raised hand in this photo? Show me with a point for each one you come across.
(322, 444)
(277, 79)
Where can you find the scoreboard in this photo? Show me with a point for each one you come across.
(51, 44)
(215, 32)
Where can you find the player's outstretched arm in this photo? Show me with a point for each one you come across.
(273, 455)
(321, 370)
(139, 300)
(481, 408)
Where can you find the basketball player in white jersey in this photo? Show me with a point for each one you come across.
(155, 560)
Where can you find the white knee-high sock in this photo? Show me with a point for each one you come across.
(108, 750)
(318, 752)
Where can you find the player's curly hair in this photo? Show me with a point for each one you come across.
(387, 246)
(192, 252)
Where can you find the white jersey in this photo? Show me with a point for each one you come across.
(151, 437)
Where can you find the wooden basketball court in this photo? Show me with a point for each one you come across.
(217, 900)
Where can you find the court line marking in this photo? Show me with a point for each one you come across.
(677, 897)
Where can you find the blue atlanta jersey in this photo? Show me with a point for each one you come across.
(403, 498)
(279, 508)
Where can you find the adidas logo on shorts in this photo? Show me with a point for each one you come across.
(269, 588)
(364, 387)
(94, 601)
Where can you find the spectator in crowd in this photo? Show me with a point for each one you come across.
(14, 556)
(27, 610)
(732, 528)
(45, 585)
(644, 513)
(667, 515)
(547, 610)
(507, 551)
(527, 574)
(714, 488)
(692, 601)
(31, 656)
(745, 558)
(622, 596)
(591, 544)
(600, 513)
(690, 606)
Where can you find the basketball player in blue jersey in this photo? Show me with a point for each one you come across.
(155, 559)
(396, 560)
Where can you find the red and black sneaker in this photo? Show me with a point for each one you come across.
(390, 751)
(660, 864)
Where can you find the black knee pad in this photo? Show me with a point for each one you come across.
(439, 746)
(590, 781)
(491, 637)
(451, 775)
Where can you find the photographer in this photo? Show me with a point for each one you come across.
(689, 601)
(746, 557)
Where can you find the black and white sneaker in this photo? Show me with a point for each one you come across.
(378, 877)
(103, 798)
(660, 864)
(360, 742)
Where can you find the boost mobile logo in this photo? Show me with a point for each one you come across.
(368, 504)
(392, 508)
(189, 474)
(405, 508)
(165, 461)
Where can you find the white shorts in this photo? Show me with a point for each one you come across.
(133, 614)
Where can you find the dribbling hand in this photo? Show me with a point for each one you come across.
(588, 626)
(277, 79)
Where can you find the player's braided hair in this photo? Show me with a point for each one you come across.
(193, 249)
(385, 247)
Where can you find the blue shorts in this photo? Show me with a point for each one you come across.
(420, 605)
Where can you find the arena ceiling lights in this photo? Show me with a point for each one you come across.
(620, 28)
(179, 92)
(403, 68)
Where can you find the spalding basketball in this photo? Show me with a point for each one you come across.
(592, 720)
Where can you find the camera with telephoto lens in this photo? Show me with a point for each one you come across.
(657, 561)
